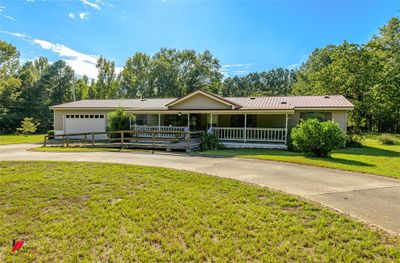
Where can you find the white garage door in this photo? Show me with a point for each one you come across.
(84, 123)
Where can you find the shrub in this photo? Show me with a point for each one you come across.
(387, 139)
(117, 120)
(316, 138)
(210, 142)
(28, 126)
(50, 133)
(354, 137)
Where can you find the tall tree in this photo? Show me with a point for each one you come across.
(9, 86)
(106, 85)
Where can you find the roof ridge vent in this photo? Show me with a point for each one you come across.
(283, 102)
(142, 99)
(252, 98)
(327, 97)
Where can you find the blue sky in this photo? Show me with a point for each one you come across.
(245, 36)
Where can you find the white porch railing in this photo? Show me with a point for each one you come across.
(158, 128)
(250, 134)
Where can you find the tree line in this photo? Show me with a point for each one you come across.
(367, 74)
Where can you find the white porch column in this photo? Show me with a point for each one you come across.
(188, 123)
(159, 122)
(211, 120)
(245, 128)
(130, 121)
(286, 130)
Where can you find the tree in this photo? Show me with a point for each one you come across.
(106, 85)
(28, 126)
(9, 86)
(276, 82)
(82, 88)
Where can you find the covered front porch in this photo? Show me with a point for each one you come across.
(239, 130)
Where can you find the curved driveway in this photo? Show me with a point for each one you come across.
(372, 199)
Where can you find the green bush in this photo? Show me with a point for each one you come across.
(387, 139)
(354, 137)
(117, 120)
(50, 132)
(316, 138)
(210, 142)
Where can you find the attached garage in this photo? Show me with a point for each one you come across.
(80, 123)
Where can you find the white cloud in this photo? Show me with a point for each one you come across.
(91, 4)
(2, 8)
(30, 1)
(71, 15)
(15, 34)
(83, 64)
(10, 17)
(237, 65)
(84, 15)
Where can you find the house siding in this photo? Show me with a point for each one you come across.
(339, 116)
(200, 102)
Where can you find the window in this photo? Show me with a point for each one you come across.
(141, 119)
(77, 116)
(86, 116)
(82, 116)
(91, 116)
(96, 116)
(321, 116)
(101, 116)
(72, 116)
(67, 116)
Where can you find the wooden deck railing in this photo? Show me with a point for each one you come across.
(250, 134)
(159, 128)
(125, 138)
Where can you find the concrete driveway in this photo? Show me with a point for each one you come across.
(369, 198)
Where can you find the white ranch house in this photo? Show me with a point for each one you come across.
(261, 122)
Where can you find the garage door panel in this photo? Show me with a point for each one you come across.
(83, 125)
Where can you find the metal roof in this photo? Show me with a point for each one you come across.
(246, 103)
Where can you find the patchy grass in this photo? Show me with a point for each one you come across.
(84, 149)
(13, 139)
(373, 157)
(70, 211)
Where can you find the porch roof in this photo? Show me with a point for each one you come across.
(244, 103)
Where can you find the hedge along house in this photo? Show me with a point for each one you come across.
(261, 122)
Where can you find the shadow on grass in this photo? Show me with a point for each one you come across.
(371, 151)
(341, 161)
(264, 154)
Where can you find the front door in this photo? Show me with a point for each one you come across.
(198, 122)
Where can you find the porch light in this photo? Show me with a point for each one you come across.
(179, 114)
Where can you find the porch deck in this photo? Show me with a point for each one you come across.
(254, 145)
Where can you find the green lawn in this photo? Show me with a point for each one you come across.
(70, 212)
(373, 157)
(13, 139)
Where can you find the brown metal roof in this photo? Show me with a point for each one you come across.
(246, 103)
(292, 102)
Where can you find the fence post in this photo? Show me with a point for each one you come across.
(188, 150)
(84, 142)
(63, 138)
(45, 140)
(67, 141)
(92, 139)
(153, 141)
(122, 139)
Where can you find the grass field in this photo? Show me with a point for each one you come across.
(107, 212)
(373, 157)
(13, 139)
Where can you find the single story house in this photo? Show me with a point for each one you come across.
(236, 121)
